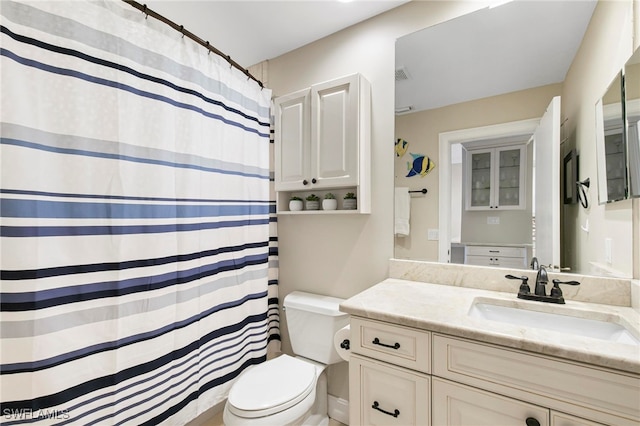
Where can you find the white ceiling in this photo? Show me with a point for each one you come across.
(514, 46)
(253, 31)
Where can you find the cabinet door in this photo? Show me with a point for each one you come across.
(381, 394)
(334, 132)
(479, 179)
(459, 405)
(496, 178)
(510, 178)
(292, 131)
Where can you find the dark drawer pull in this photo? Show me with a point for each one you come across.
(376, 341)
(376, 406)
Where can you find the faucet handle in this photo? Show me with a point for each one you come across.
(524, 287)
(556, 291)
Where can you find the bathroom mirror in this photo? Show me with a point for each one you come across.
(632, 110)
(611, 144)
(464, 93)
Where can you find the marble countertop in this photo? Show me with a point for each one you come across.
(444, 309)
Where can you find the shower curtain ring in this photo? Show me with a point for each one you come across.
(208, 48)
(182, 30)
(144, 11)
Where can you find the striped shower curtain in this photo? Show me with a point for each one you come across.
(137, 248)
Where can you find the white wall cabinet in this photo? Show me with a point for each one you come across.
(495, 178)
(322, 141)
(435, 379)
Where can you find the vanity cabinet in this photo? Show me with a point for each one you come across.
(388, 371)
(456, 404)
(501, 256)
(473, 383)
(495, 178)
(322, 141)
(389, 395)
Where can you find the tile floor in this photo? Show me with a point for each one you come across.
(217, 421)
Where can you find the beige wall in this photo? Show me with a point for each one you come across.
(421, 129)
(343, 255)
(607, 44)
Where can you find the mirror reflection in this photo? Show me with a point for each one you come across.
(632, 109)
(611, 147)
(464, 96)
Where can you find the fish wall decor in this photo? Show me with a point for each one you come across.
(421, 165)
(401, 147)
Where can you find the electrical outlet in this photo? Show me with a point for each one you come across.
(433, 235)
(493, 220)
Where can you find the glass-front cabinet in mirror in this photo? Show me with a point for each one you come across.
(495, 178)
(611, 146)
(632, 110)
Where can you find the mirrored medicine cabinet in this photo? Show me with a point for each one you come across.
(617, 136)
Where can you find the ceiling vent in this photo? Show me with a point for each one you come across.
(402, 74)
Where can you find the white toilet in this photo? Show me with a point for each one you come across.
(287, 390)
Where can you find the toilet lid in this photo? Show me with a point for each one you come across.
(271, 387)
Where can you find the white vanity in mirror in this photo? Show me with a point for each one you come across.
(503, 256)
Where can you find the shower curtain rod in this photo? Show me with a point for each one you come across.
(144, 9)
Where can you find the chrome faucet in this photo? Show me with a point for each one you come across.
(541, 281)
(534, 263)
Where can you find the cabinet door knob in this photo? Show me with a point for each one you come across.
(314, 180)
(532, 422)
(305, 182)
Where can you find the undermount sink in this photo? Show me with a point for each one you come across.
(576, 322)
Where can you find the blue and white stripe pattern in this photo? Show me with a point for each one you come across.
(138, 251)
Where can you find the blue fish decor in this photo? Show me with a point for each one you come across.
(401, 147)
(421, 165)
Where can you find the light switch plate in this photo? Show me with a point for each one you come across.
(493, 220)
(433, 235)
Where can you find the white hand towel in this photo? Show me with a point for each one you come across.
(402, 211)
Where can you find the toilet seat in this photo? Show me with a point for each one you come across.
(272, 387)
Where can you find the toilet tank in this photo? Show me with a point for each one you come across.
(312, 321)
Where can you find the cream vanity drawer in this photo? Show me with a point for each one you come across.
(496, 251)
(396, 344)
(460, 405)
(589, 392)
(562, 419)
(382, 394)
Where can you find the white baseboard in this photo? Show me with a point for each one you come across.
(338, 409)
